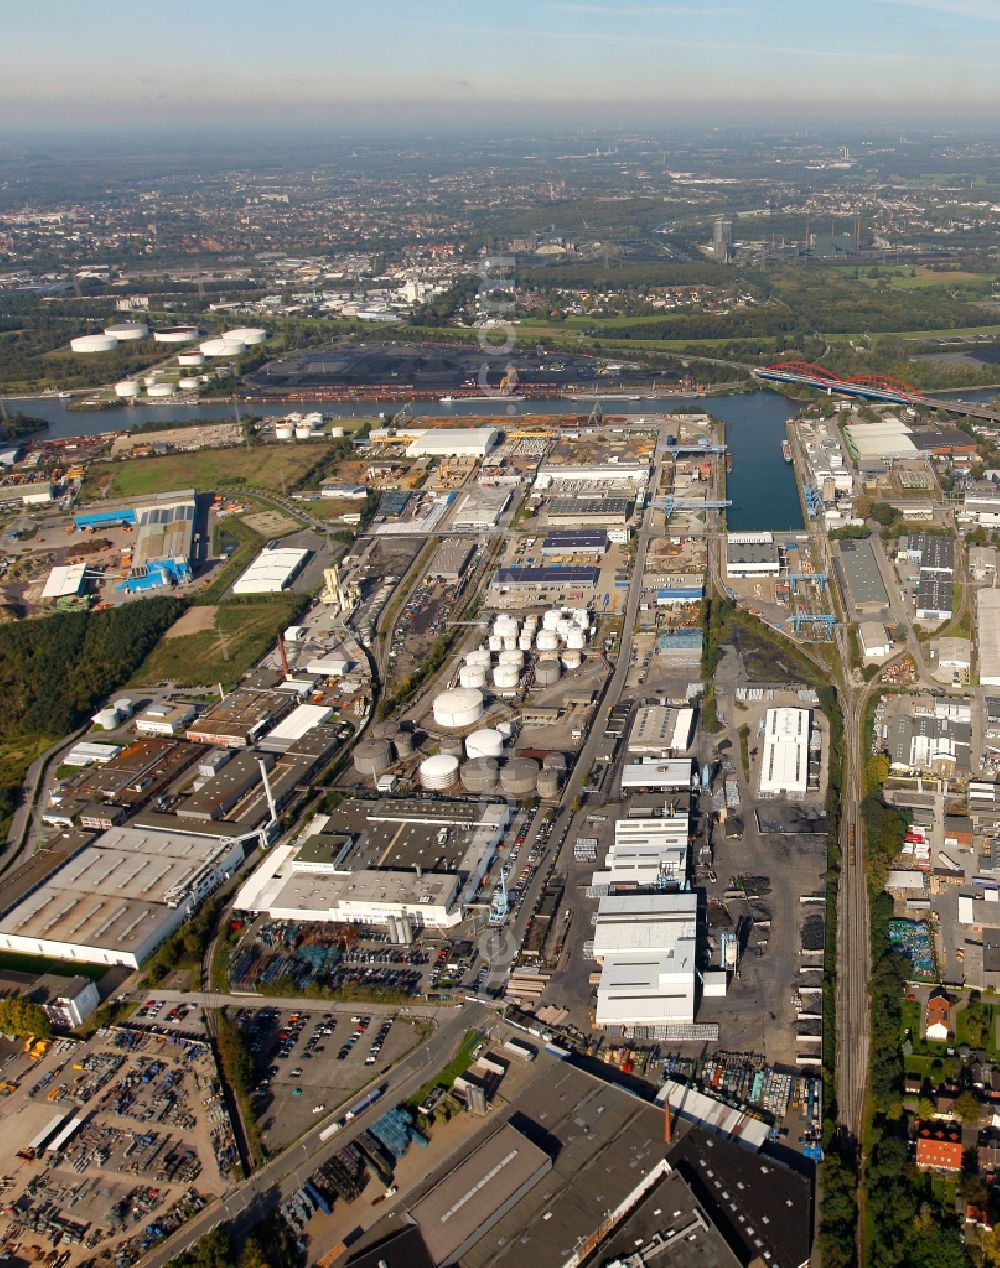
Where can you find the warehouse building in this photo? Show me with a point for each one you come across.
(222, 791)
(64, 582)
(599, 473)
(647, 854)
(164, 720)
(518, 578)
(646, 945)
(450, 559)
(931, 552)
(670, 774)
(114, 901)
(481, 508)
(241, 718)
(589, 510)
(29, 494)
(875, 642)
(936, 740)
(454, 442)
(752, 555)
(988, 636)
(660, 731)
(66, 1001)
(981, 507)
(934, 598)
(274, 568)
(575, 541)
(863, 579)
(785, 764)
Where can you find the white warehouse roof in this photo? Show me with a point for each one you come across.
(785, 766)
(298, 722)
(988, 632)
(63, 581)
(437, 442)
(271, 571)
(646, 944)
(654, 773)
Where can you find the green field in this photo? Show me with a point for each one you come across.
(267, 467)
(240, 634)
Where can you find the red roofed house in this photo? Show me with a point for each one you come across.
(938, 1015)
(939, 1146)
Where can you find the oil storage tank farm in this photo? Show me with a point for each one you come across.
(479, 775)
(127, 331)
(519, 777)
(439, 773)
(487, 742)
(373, 758)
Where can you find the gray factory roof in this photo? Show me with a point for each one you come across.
(603, 1143)
(933, 550)
(547, 576)
(591, 506)
(570, 540)
(473, 1196)
(862, 572)
(751, 552)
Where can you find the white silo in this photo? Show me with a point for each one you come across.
(472, 677)
(458, 707)
(303, 430)
(127, 389)
(524, 640)
(127, 331)
(283, 429)
(487, 742)
(547, 640)
(505, 677)
(438, 773)
(496, 642)
(94, 343)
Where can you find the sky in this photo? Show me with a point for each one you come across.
(353, 63)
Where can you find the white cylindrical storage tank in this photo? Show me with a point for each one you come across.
(190, 358)
(576, 638)
(547, 673)
(472, 677)
(512, 656)
(127, 389)
(519, 777)
(94, 343)
(581, 617)
(107, 718)
(461, 706)
(572, 659)
(247, 335)
(496, 642)
(505, 677)
(547, 640)
(438, 773)
(218, 348)
(481, 656)
(510, 642)
(283, 431)
(525, 640)
(176, 334)
(506, 729)
(564, 627)
(551, 619)
(479, 775)
(127, 331)
(485, 743)
(373, 758)
(189, 384)
(159, 390)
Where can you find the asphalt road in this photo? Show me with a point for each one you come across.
(276, 1180)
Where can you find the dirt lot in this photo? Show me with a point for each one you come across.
(271, 523)
(194, 621)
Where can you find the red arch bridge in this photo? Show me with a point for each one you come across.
(873, 387)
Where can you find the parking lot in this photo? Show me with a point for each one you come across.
(306, 1063)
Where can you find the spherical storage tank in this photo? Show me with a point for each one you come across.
(519, 777)
(547, 640)
(127, 331)
(461, 706)
(438, 773)
(485, 743)
(472, 677)
(479, 775)
(190, 358)
(127, 389)
(373, 758)
(547, 673)
(505, 677)
(176, 334)
(160, 390)
(94, 343)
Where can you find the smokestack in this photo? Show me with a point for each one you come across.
(667, 1126)
(283, 654)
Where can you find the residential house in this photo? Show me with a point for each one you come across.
(939, 1015)
(939, 1146)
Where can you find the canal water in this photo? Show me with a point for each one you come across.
(761, 484)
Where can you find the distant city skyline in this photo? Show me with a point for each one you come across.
(310, 62)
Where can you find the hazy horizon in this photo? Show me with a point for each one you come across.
(555, 63)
